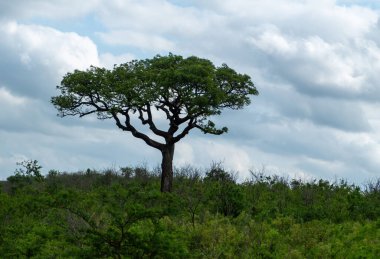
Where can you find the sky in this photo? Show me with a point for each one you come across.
(316, 64)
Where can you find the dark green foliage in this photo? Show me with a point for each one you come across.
(223, 192)
(121, 214)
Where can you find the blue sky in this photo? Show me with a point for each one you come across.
(315, 63)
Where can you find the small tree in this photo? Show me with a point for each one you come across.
(186, 90)
(30, 171)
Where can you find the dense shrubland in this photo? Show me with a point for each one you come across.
(123, 214)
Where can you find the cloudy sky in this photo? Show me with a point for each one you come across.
(316, 64)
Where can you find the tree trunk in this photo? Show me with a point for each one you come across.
(167, 168)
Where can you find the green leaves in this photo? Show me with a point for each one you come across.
(184, 89)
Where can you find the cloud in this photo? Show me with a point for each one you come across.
(139, 40)
(14, 109)
(316, 67)
(315, 63)
(346, 115)
(155, 17)
(302, 18)
(108, 60)
(9, 100)
(41, 56)
(68, 147)
(52, 9)
(34, 59)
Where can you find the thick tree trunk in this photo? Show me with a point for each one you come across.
(167, 168)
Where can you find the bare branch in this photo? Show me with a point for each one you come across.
(87, 113)
(128, 127)
(150, 122)
(166, 111)
(192, 124)
(141, 117)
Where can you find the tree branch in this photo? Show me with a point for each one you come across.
(150, 122)
(166, 111)
(87, 113)
(128, 127)
(192, 124)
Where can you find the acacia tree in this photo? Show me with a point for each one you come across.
(187, 91)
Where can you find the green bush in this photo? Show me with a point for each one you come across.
(122, 214)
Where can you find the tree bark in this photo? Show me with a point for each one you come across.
(167, 168)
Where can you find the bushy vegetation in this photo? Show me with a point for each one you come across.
(123, 214)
